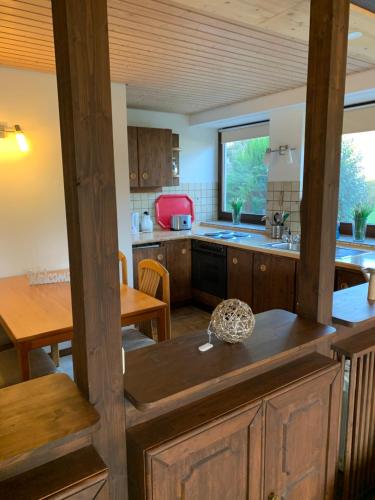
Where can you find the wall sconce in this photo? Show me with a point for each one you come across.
(20, 136)
(285, 150)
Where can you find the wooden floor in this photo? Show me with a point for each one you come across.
(184, 320)
(188, 319)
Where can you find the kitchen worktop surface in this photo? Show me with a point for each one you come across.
(254, 241)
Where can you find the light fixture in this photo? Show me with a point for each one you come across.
(355, 35)
(20, 136)
(284, 150)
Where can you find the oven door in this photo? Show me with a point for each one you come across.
(210, 273)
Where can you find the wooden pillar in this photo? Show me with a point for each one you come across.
(329, 21)
(83, 80)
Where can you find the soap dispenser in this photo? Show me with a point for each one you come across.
(146, 223)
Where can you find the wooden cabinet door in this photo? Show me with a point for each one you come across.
(218, 462)
(155, 157)
(301, 439)
(346, 278)
(133, 156)
(240, 275)
(179, 267)
(154, 251)
(274, 282)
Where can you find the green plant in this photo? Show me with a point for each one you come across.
(360, 214)
(362, 210)
(237, 204)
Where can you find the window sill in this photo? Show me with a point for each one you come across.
(348, 240)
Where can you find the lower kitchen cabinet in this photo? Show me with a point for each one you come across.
(179, 267)
(212, 464)
(346, 278)
(155, 251)
(246, 444)
(240, 275)
(176, 257)
(273, 282)
(298, 464)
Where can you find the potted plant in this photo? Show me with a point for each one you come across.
(237, 204)
(360, 216)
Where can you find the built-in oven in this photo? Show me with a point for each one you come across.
(209, 268)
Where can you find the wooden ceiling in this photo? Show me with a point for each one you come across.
(189, 55)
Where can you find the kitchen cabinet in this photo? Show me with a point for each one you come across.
(153, 157)
(346, 278)
(298, 464)
(133, 156)
(179, 267)
(174, 256)
(272, 436)
(274, 280)
(211, 464)
(240, 275)
(155, 251)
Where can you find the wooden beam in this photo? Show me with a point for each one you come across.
(329, 22)
(365, 4)
(83, 80)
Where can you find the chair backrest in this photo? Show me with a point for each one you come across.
(150, 273)
(124, 268)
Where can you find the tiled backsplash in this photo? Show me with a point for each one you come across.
(285, 196)
(204, 195)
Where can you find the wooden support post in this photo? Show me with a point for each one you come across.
(83, 79)
(329, 21)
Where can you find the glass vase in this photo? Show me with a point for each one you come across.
(359, 228)
(236, 217)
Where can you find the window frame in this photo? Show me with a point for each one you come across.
(222, 214)
(345, 228)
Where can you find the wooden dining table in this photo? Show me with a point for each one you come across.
(36, 316)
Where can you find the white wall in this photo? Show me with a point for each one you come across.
(287, 127)
(198, 158)
(32, 221)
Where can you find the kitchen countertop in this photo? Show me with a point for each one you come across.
(255, 241)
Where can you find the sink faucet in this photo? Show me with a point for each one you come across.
(293, 240)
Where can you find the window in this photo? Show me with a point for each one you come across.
(243, 173)
(357, 174)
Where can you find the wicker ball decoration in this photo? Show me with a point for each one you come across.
(232, 321)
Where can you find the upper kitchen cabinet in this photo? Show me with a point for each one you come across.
(150, 157)
(133, 156)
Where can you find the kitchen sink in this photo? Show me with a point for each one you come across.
(341, 252)
(294, 247)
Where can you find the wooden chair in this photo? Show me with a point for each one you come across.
(124, 268)
(5, 342)
(150, 274)
(10, 373)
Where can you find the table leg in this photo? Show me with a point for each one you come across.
(23, 356)
(162, 324)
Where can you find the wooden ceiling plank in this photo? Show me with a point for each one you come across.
(198, 71)
(206, 19)
(204, 38)
(229, 32)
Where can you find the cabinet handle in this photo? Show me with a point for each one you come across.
(145, 175)
(272, 496)
(160, 256)
(263, 268)
(235, 260)
(133, 176)
(183, 251)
